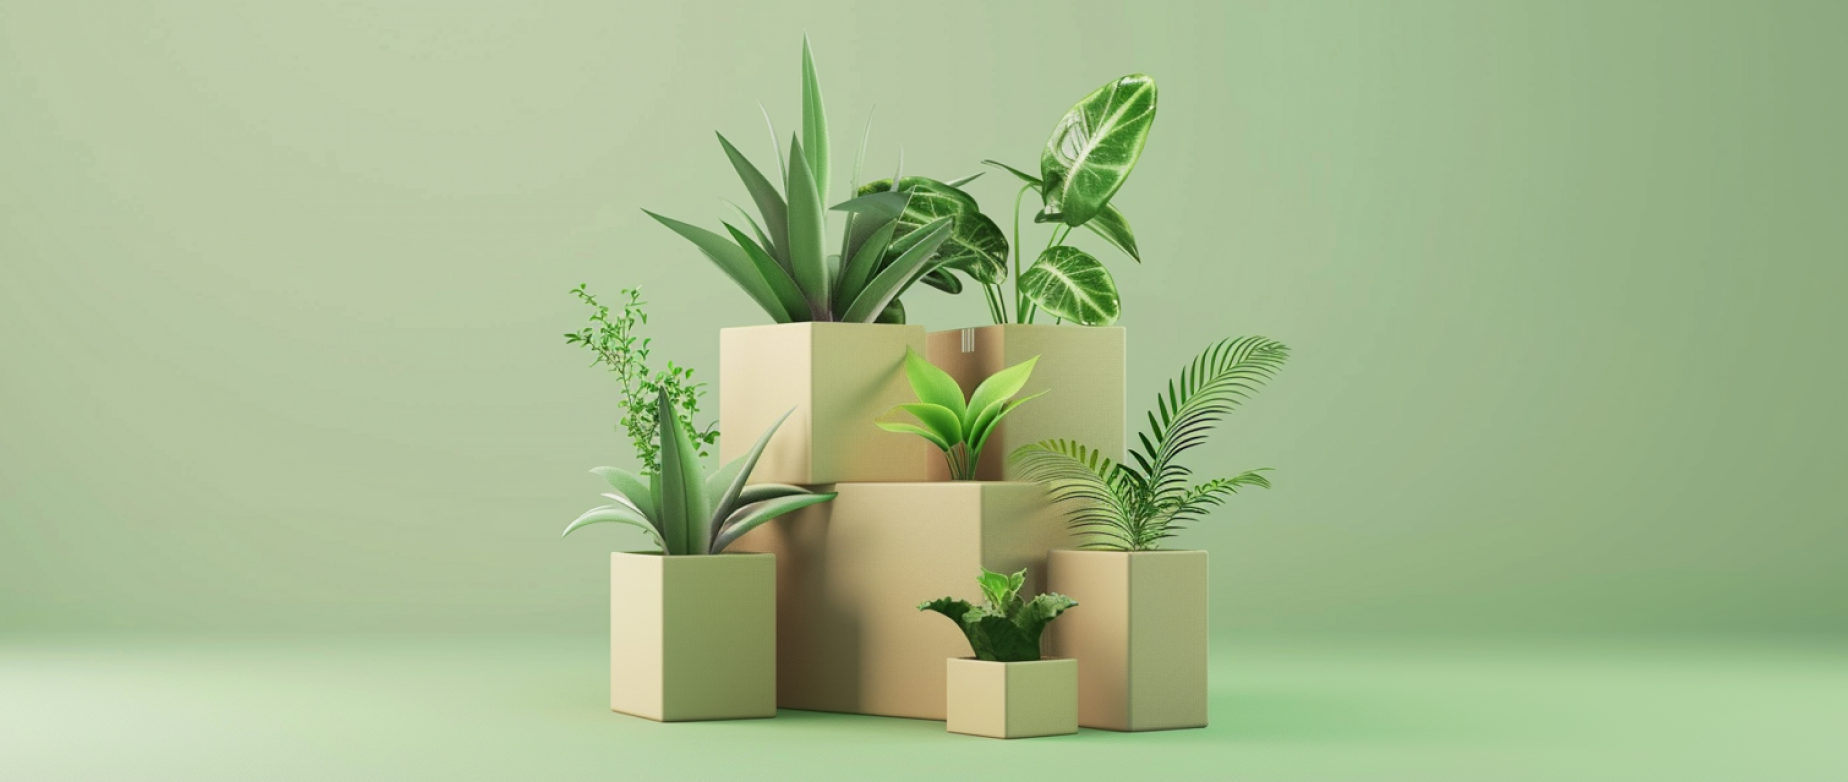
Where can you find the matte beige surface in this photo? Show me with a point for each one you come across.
(1141, 630)
(1015, 700)
(1081, 369)
(839, 377)
(694, 637)
(851, 573)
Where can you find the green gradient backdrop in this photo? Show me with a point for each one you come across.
(281, 290)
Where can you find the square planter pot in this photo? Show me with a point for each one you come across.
(1081, 367)
(1142, 634)
(693, 637)
(839, 377)
(851, 573)
(1013, 700)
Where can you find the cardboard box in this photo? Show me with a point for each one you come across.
(839, 377)
(851, 573)
(1012, 700)
(693, 637)
(1141, 630)
(1080, 367)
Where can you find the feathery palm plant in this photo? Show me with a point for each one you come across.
(1133, 507)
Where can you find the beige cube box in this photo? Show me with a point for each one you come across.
(1015, 700)
(839, 377)
(851, 573)
(1142, 634)
(693, 637)
(1080, 367)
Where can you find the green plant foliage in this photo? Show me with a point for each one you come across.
(1134, 506)
(1068, 283)
(1093, 148)
(976, 246)
(1110, 223)
(685, 510)
(1004, 628)
(958, 427)
(613, 342)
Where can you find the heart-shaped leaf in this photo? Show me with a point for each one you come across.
(976, 246)
(1109, 223)
(1093, 148)
(1068, 283)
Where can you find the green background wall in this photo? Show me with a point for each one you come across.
(281, 292)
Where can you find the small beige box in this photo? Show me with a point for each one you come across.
(1142, 634)
(839, 377)
(693, 637)
(1081, 368)
(1013, 700)
(851, 573)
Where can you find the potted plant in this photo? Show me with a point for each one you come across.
(1007, 690)
(844, 565)
(839, 335)
(1090, 153)
(693, 634)
(1143, 636)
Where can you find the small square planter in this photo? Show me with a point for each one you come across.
(1081, 367)
(851, 573)
(1142, 635)
(1012, 700)
(839, 377)
(693, 637)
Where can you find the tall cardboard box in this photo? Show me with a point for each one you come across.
(1140, 634)
(1081, 368)
(692, 637)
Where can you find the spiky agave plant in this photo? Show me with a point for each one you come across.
(1133, 507)
(1004, 628)
(687, 511)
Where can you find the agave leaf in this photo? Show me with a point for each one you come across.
(720, 480)
(934, 386)
(751, 516)
(964, 180)
(732, 260)
(1094, 147)
(806, 228)
(781, 286)
(769, 203)
(997, 388)
(722, 508)
(1109, 222)
(905, 428)
(1069, 283)
(899, 275)
(814, 123)
(977, 246)
(863, 264)
(630, 485)
(683, 486)
(758, 492)
(615, 514)
(867, 215)
(938, 419)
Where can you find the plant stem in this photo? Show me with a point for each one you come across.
(1020, 307)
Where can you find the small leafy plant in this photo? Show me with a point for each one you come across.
(958, 427)
(1004, 628)
(1133, 507)
(614, 344)
(685, 510)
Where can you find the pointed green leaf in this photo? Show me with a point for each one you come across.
(758, 492)
(1022, 175)
(683, 484)
(899, 275)
(894, 314)
(781, 286)
(901, 427)
(860, 269)
(614, 514)
(941, 279)
(934, 386)
(806, 228)
(631, 486)
(751, 516)
(723, 507)
(976, 246)
(1094, 147)
(987, 420)
(957, 183)
(814, 123)
(1068, 283)
(999, 387)
(732, 260)
(937, 418)
(1109, 223)
(769, 202)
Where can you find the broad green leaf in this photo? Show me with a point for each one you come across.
(806, 228)
(751, 516)
(1068, 283)
(1094, 147)
(898, 275)
(1033, 617)
(987, 420)
(1109, 223)
(784, 288)
(977, 246)
(939, 419)
(631, 486)
(769, 203)
(904, 428)
(998, 388)
(934, 386)
(894, 313)
(615, 514)
(683, 485)
(814, 123)
(723, 506)
(941, 279)
(732, 260)
(863, 264)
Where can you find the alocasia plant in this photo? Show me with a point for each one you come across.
(958, 427)
(1004, 628)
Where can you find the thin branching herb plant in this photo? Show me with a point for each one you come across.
(614, 344)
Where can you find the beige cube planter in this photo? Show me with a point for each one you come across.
(839, 377)
(1141, 632)
(851, 573)
(1081, 368)
(1013, 700)
(693, 637)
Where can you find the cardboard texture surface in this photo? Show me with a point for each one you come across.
(1012, 700)
(851, 573)
(839, 377)
(693, 637)
(1080, 367)
(1141, 630)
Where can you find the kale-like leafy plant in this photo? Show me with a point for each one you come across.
(783, 264)
(614, 344)
(958, 427)
(687, 511)
(1004, 628)
(1133, 507)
